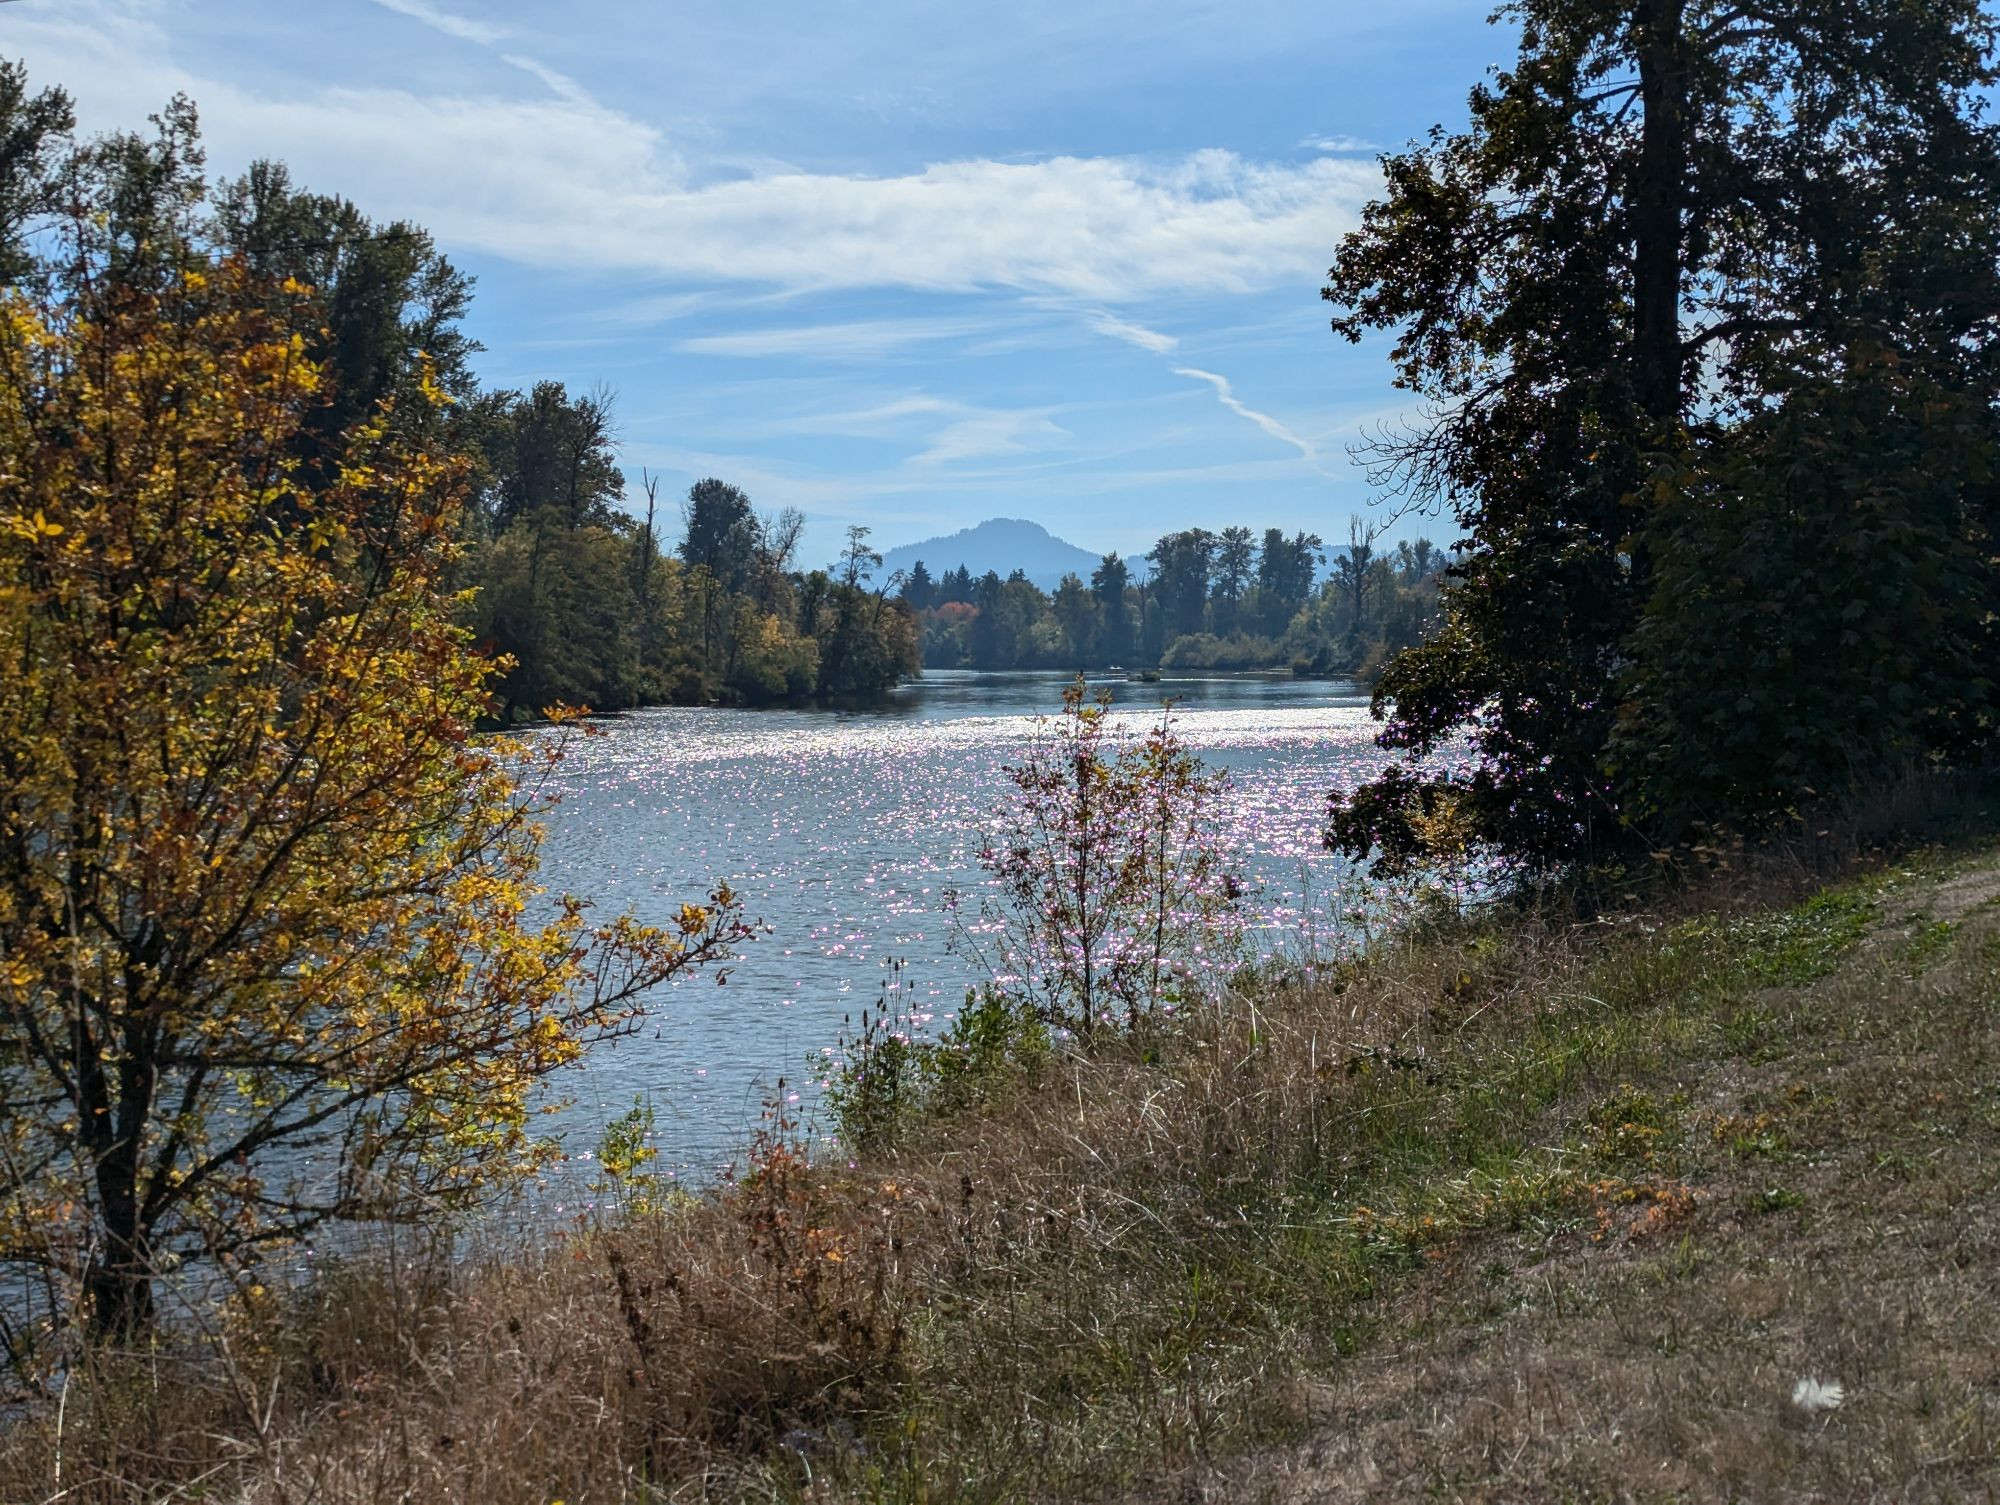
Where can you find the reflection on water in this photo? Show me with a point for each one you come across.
(843, 830)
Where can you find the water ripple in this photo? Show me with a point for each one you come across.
(843, 833)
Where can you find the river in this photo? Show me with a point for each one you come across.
(842, 831)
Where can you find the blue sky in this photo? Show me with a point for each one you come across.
(900, 263)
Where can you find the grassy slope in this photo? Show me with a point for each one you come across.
(1824, 1106)
(1520, 1214)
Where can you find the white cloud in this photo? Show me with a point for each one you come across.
(1130, 333)
(657, 308)
(947, 430)
(1104, 228)
(485, 34)
(993, 433)
(452, 26)
(475, 168)
(867, 339)
(559, 84)
(1264, 421)
(1339, 144)
(866, 422)
(560, 180)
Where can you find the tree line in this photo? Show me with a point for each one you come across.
(592, 605)
(588, 607)
(1199, 600)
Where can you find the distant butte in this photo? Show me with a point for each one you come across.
(1000, 544)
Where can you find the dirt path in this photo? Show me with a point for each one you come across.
(1843, 1227)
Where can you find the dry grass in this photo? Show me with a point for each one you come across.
(1846, 1227)
(1523, 1211)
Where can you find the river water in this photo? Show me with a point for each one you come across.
(843, 831)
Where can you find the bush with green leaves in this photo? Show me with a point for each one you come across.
(889, 1077)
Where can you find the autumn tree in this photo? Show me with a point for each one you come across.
(271, 947)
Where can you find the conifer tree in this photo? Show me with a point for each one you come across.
(1666, 219)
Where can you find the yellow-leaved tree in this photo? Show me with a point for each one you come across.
(271, 947)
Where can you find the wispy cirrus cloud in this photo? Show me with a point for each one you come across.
(1130, 333)
(461, 27)
(985, 435)
(1340, 145)
(487, 35)
(932, 431)
(891, 416)
(863, 339)
(1226, 395)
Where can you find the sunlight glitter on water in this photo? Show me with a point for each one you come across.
(843, 833)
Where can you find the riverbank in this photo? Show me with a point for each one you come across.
(1515, 1211)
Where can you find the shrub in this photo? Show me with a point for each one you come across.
(888, 1078)
(1114, 901)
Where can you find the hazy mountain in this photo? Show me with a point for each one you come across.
(1001, 544)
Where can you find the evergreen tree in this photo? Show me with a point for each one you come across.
(955, 586)
(1666, 218)
(1109, 582)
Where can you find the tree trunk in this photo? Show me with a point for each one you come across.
(1659, 192)
(119, 1294)
(118, 1289)
(119, 1286)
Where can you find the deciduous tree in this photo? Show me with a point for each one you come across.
(271, 947)
(1114, 897)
